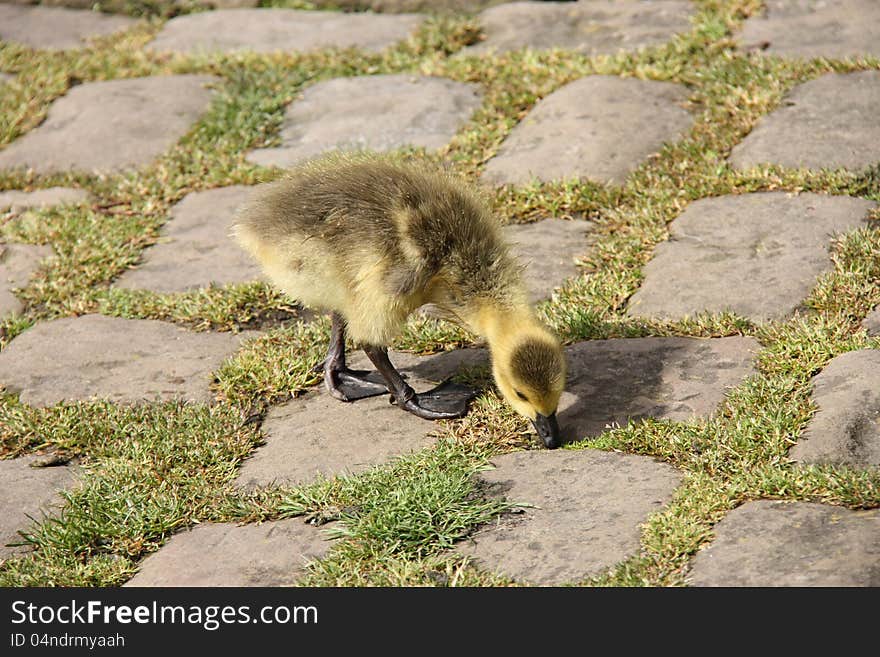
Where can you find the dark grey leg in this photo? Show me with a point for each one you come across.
(342, 383)
(445, 402)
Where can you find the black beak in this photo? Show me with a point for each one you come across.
(548, 429)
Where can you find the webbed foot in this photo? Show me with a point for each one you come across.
(350, 385)
(445, 402)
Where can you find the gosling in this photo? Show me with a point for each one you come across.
(371, 241)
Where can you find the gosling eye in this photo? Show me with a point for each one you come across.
(521, 396)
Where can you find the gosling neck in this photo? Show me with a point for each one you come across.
(504, 325)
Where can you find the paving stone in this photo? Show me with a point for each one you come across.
(548, 248)
(846, 427)
(26, 493)
(123, 360)
(234, 4)
(221, 554)
(757, 255)
(17, 263)
(319, 435)
(57, 27)
(268, 30)
(16, 201)
(112, 125)
(872, 322)
(815, 28)
(595, 28)
(768, 543)
(586, 513)
(599, 127)
(377, 112)
(830, 122)
(196, 249)
(612, 382)
(398, 6)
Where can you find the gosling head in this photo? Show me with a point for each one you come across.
(531, 377)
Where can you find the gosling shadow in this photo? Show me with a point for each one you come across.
(614, 382)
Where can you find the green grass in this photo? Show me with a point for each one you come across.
(152, 470)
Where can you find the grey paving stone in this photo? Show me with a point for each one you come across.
(15, 201)
(548, 249)
(377, 112)
(599, 127)
(612, 382)
(398, 6)
(830, 122)
(872, 322)
(598, 27)
(123, 360)
(318, 435)
(846, 427)
(815, 28)
(768, 543)
(26, 494)
(268, 30)
(112, 125)
(17, 263)
(234, 4)
(586, 513)
(757, 255)
(56, 27)
(196, 249)
(221, 554)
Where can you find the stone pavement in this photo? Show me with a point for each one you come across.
(757, 255)
(815, 28)
(585, 130)
(110, 126)
(27, 492)
(196, 248)
(598, 27)
(18, 262)
(575, 499)
(124, 360)
(766, 543)
(376, 112)
(267, 30)
(311, 436)
(56, 28)
(846, 427)
(219, 554)
(826, 123)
